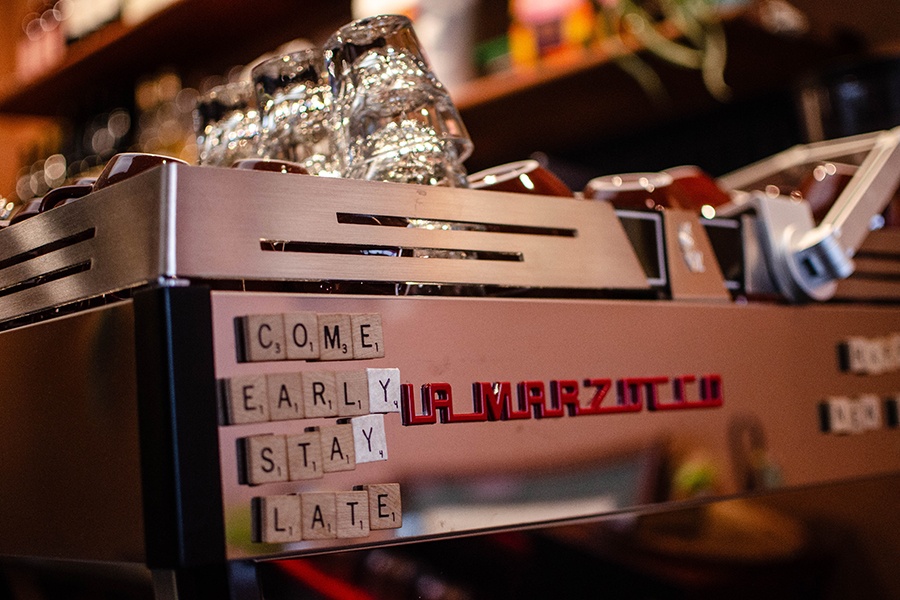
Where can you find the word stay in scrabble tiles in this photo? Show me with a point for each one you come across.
(313, 452)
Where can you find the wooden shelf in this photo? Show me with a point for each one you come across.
(554, 107)
(189, 35)
(558, 107)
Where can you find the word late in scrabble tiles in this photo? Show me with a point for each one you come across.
(285, 518)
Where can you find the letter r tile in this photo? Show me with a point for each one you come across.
(319, 394)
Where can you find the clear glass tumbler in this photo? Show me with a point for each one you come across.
(393, 120)
(294, 98)
(226, 122)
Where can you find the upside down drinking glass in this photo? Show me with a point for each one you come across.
(227, 124)
(294, 99)
(392, 119)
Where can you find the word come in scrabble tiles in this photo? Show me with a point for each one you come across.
(309, 336)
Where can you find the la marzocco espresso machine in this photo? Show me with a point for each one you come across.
(209, 370)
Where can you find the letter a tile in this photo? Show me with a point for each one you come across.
(285, 392)
(338, 451)
(319, 516)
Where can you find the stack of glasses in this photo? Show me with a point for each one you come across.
(366, 106)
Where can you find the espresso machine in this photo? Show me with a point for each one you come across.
(213, 371)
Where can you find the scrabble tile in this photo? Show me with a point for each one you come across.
(319, 516)
(338, 451)
(368, 340)
(263, 337)
(335, 337)
(352, 510)
(870, 412)
(385, 510)
(301, 332)
(369, 440)
(265, 459)
(352, 393)
(384, 390)
(285, 393)
(840, 419)
(246, 400)
(276, 519)
(319, 394)
(304, 454)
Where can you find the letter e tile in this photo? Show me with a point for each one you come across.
(246, 399)
(385, 511)
(368, 340)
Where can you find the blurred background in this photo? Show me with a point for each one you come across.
(590, 87)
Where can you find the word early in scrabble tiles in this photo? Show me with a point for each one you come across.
(309, 336)
(286, 518)
(309, 395)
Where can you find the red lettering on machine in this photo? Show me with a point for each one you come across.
(493, 401)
